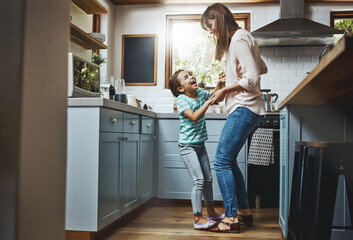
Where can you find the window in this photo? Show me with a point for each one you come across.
(343, 20)
(190, 47)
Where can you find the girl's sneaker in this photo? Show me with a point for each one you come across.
(206, 226)
(217, 218)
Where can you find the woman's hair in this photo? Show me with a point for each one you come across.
(174, 83)
(225, 23)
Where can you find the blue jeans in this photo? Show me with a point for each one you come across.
(196, 160)
(236, 130)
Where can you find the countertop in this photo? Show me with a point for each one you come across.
(110, 104)
(330, 82)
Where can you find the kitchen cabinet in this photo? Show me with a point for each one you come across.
(313, 123)
(93, 168)
(174, 180)
(147, 158)
(103, 167)
(80, 37)
(129, 172)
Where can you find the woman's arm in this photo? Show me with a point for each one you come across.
(197, 115)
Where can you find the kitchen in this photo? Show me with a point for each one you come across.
(29, 104)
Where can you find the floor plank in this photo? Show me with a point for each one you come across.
(176, 222)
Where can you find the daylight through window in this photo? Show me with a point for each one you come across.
(191, 48)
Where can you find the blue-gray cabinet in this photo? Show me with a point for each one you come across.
(174, 180)
(107, 175)
(313, 123)
(147, 158)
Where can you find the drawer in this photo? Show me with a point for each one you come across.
(214, 127)
(111, 120)
(148, 125)
(131, 123)
(167, 126)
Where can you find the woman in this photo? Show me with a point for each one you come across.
(244, 106)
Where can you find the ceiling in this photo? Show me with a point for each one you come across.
(135, 2)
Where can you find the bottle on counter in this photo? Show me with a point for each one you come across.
(111, 89)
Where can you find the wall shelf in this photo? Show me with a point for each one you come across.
(81, 38)
(90, 6)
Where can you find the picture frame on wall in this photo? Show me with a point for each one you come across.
(139, 59)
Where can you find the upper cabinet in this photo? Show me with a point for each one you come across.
(80, 37)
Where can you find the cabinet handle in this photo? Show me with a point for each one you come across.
(124, 138)
(132, 122)
(148, 125)
(112, 120)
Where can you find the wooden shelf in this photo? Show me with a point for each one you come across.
(330, 82)
(90, 6)
(81, 38)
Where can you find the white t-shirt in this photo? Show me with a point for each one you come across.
(244, 65)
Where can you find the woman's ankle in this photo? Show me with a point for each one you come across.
(244, 212)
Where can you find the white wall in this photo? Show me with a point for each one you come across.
(287, 66)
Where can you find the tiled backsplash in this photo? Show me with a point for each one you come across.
(286, 68)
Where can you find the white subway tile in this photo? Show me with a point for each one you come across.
(296, 51)
(290, 59)
(305, 59)
(282, 66)
(282, 52)
(276, 59)
(297, 65)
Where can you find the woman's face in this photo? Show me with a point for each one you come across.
(211, 26)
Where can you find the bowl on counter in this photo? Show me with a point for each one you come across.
(98, 36)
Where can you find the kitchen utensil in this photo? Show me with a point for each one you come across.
(270, 99)
(120, 85)
(131, 100)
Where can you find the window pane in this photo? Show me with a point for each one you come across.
(193, 49)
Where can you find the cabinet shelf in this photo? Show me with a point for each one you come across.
(90, 6)
(81, 38)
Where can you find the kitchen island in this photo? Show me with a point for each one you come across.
(320, 108)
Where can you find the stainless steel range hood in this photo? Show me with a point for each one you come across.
(292, 29)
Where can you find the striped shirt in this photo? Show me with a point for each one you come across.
(192, 132)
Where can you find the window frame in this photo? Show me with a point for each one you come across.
(339, 15)
(171, 19)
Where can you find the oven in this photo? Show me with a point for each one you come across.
(263, 181)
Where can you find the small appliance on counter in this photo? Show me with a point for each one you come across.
(120, 94)
(270, 99)
(83, 77)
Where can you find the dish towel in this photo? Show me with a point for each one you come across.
(261, 151)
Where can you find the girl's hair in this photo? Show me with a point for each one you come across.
(174, 83)
(225, 23)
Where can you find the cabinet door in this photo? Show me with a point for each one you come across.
(129, 172)
(109, 205)
(146, 167)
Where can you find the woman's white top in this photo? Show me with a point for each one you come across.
(244, 66)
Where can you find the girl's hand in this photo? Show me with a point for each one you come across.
(217, 96)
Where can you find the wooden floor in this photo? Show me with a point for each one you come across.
(176, 222)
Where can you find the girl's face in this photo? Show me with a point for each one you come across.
(211, 26)
(188, 84)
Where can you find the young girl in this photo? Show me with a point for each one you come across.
(192, 105)
(244, 105)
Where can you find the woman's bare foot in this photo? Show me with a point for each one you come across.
(199, 219)
(225, 225)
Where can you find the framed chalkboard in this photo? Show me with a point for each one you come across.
(139, 59)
